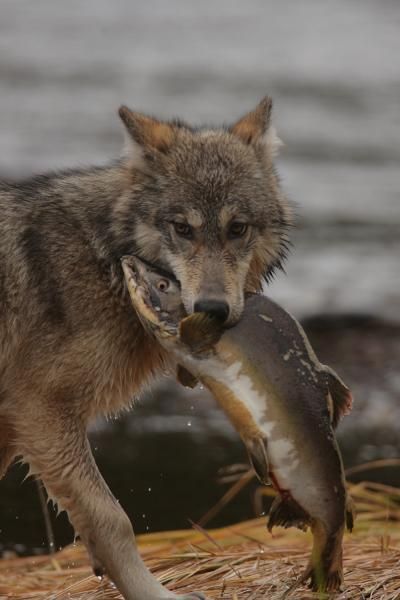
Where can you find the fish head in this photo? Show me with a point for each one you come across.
(155, 295)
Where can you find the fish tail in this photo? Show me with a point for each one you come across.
(325, 570)
(287, 513)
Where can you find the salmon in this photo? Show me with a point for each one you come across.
(283, 402)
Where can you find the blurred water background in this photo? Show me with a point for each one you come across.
(333, 70)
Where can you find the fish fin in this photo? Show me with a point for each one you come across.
(200, 331)
(185, 377)
(342, 399)
(350, 512)
(287, 513)
(258, 457)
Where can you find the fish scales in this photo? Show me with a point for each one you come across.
(294, 418)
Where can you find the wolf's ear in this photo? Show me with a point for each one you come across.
(255, 127)
(146, 133)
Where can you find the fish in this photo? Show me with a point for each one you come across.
(284, 403)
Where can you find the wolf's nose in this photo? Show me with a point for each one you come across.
(215, 308)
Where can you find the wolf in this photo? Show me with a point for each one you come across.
(205, 204)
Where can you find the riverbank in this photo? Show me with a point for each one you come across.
(239, 562)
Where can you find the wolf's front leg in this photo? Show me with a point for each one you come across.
(60, 453)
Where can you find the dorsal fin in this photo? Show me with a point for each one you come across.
(200, 331)
(342, 399)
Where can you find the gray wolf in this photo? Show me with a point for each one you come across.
(204, 204)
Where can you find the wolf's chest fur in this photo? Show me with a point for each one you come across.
(68, 330)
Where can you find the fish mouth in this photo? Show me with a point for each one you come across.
(148, 312)
(161, 270)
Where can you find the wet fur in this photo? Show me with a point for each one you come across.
(71, 347)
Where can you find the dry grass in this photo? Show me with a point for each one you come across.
(239, 562)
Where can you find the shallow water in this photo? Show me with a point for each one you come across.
(333, 71)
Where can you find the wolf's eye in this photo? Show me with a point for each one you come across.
(163, 285)
(183, 229)
(237, 229)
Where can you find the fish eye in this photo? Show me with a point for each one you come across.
(163, 285)
(237, 229)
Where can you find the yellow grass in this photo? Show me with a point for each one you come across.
(239, 562)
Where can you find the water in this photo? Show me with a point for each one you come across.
(333, 70)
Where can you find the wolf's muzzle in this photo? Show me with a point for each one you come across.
(215, 308)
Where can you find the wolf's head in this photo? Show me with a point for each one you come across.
(206, 205)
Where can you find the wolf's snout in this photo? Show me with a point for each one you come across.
(215, 308)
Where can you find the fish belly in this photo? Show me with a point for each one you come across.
(319, 492)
